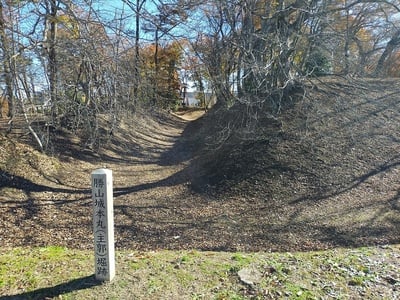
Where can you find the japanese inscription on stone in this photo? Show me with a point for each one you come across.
(103, 224)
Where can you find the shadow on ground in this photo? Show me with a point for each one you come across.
(56, 291)
(325, 174)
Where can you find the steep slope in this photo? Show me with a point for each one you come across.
(324, 173)
(327, 169)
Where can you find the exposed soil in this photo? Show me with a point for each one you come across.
(325, 173)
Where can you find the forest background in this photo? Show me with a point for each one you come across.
(299, 150)
(70, 61)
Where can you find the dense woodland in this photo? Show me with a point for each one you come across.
(66, 62)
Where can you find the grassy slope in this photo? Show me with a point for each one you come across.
(59, 273)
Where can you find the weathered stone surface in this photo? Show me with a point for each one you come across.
(250, 275)
(103, 224)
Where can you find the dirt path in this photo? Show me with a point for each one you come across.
(153, 205)
(190, 114)
(329, 178)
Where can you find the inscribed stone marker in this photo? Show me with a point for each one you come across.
(103, 224)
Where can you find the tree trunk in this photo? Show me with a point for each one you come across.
(51, 38)
(137, 53)
(7, 65)
(390, 47)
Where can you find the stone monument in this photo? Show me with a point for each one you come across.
(103, 224)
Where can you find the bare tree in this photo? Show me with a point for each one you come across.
(137, 7)
(6, 50)
(252, 53)
(393, 43)
(49, 41)
(257, 40)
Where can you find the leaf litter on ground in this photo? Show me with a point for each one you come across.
(326, 177)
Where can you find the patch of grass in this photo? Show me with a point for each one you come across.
(26, 269)
(294, 291)
(61, 273)
(226, 294)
